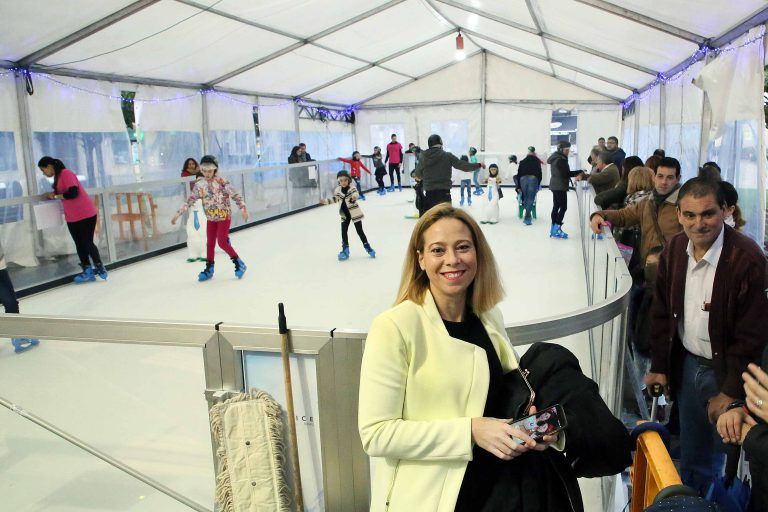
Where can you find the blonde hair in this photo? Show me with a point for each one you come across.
(640, 178)
(485, 291)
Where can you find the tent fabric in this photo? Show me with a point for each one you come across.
(281, 47)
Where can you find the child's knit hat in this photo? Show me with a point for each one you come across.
(210, 160)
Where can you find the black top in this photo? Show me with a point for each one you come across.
(482, 469)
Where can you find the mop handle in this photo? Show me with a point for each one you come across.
(284, 352)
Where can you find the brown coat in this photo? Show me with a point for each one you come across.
(642, 214)
(605, 179)
(738, 322)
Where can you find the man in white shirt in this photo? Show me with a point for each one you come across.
(709, 320)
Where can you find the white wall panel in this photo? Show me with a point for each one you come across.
(595, 122)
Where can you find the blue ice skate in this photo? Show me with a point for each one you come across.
(207, 272)
(101, 271)
(369, 250)
(23, 344)
(240, 267)
(86, 276)
(344, 254)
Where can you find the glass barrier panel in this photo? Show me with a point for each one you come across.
(140, 219)
(264, 371)
(143, 405)
(265, 192)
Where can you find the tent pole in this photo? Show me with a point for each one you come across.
(663, 116)
(206, 132)
(636, 134)
(483, 89)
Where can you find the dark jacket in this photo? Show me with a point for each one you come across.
(529, 166)
(434, 168)
(560, 171)
(613, 198)
(596, 443)
(756, 449)
(618, 157)
(738, 322)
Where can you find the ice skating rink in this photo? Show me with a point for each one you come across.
(144, 405)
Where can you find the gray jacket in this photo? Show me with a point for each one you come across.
(435, 167)
(560, 171)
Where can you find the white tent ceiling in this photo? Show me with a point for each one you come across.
(349, 51)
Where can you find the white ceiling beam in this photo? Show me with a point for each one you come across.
(550, 37)
(628, 14)
(239, 19)
(379, 62)
(533, 11)
(550, 61)
(311, 39)
(436, 70)
(758, 18)
(86, 32)
(552, 75)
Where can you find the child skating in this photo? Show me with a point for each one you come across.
(476, 174)
(350, 212)
(466, 184)
(380, 169)
(356, 164)
(491, 211)
(215, 193)
(196, 223)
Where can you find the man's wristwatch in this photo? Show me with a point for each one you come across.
(736, 404)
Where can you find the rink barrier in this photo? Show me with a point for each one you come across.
(335, 357)
(652, 470)
(267, 191)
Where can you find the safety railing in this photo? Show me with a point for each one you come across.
(652, 470)
(134, 220)
(157, 368)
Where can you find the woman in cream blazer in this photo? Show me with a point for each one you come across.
(423, 392)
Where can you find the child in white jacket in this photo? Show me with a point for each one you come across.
(491, 211)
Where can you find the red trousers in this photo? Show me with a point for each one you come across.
(218, 230)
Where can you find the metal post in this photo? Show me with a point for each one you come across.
(636, 135)
(103, 456)
(663, 116)
(484, 86)
(28, 159)
(206, 132)
(106, 204)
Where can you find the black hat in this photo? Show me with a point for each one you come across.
(493, 165)
(434, 140)
(563, 144)
(343, 174)
(210, 160)
(531, 149)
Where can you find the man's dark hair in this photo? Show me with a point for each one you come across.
(302, 145)
(630, 163)
(393, 135)
(614, 139)
(701, 187)
(670, 163)
(660, 152)
(601, 138)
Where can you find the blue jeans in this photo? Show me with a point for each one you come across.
(529, 186)
(468, 185)
(701, 456)
(475, 179)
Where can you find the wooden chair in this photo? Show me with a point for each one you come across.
(652, 471)
(140, 208)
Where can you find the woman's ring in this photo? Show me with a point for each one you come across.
(759, 403)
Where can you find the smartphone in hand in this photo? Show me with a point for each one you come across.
(546, 422)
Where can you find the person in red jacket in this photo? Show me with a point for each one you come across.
(355, 164)
(395, 158)
(708, 322)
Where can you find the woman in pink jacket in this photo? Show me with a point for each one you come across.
(80, 214)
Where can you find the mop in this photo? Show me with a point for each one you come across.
(249, 435)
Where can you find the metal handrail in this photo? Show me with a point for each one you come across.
(103, 456)
(145, 185)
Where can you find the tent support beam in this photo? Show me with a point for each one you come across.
(540, 28)
(379, 62)
(548, 36)
(483, 91)
(309, 40)
(415, 79)
(553, 103)
(551, 61)
(571, 82)
(86, 32)
(759, 18)
(628, 14)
